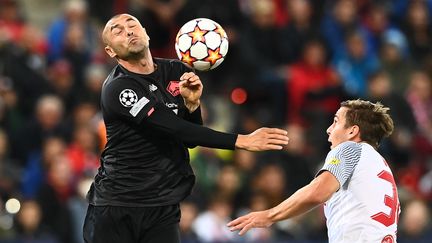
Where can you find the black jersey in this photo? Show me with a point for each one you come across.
(145, 161)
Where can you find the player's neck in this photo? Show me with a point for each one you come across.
(143, 65)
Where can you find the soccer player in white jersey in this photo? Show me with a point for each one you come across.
(355, 183)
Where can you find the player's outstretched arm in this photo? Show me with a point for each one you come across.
(303, 200)
(263, 139)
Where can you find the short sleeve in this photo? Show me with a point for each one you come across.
(128, 99)
(342, 160)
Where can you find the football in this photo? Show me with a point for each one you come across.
(202, 43)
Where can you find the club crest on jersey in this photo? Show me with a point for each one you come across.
(173, 88)
(388, 239)
(128, 98)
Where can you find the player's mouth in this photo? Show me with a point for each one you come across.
(133, 40)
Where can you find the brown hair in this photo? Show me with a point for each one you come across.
(373, 120)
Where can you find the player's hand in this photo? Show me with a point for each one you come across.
(259, 219)
(191, 90)
(190, 87)
(263, 139)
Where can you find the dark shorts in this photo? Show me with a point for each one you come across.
(110, 224)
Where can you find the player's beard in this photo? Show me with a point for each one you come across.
(134, 51)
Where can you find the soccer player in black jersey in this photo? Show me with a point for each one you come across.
(151, 110)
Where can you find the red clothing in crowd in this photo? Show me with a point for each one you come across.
(303, 79)
(82, 161)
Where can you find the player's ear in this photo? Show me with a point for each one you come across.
(110, 51)
(354, 131)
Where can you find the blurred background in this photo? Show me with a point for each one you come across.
(290, 63)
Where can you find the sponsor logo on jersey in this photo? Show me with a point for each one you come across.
(128, 97)
(152, 87)
(173, 88)
(138, 106)
(388, 239)
(171, 106)
(334, 161)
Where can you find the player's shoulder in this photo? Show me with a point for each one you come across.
(118, 78)
(167, 61)
(172, 63)
(347, 145)
(347, 149)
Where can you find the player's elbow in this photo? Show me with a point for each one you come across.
(316, 199)
(319, 193)
(320, 198)
(323, 187)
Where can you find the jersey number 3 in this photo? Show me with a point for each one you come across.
(391, 202)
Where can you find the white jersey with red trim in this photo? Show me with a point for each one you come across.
(366, 207)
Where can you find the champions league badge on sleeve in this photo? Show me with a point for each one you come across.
(128, 97)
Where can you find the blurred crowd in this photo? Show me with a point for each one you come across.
(290, 63)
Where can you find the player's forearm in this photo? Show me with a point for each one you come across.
(191, 134)
(300, 202)
(195, 116)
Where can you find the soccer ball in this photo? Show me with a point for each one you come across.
(202, 44)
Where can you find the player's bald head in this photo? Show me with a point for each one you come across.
(111, 23)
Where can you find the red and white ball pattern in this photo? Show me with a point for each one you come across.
(202, 43)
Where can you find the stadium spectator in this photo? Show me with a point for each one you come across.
(355, 64)
(29, 226)
(398, 149)
(415, 222)
(189, 213)
(419, 96)
(417, 29)
(396, 60)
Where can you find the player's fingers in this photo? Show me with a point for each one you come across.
(194, 83)
(195, 87)
(183, 83)
(280, 137)
(276, 142)
(186, 75)
(246, 228)
(272, 147)
(277, 131)
(193, 78)
(235, 221)
(239, 226)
